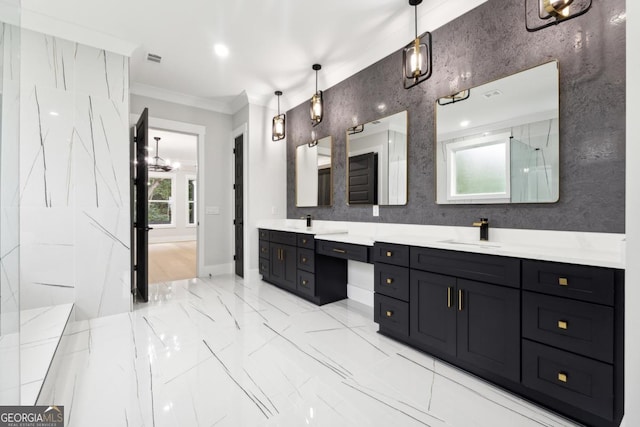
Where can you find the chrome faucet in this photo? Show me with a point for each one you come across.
(484, 228)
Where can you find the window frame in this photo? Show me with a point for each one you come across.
(171, 201)
(194, 178)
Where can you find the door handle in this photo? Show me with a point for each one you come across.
(148, 228)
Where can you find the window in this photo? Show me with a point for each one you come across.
(479, 168)
(161, 200)
(192, 197)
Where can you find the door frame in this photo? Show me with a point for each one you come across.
(199, 131)
(241, 130)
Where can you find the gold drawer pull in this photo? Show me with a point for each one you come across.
(264, 249)
(562, 377)
(563, 281)
(389, 281)
(304, 283)
(460, 306)
(389, 313)
(389, 253)
(304, 259)
(304, 241)
(562, 324)
(449, 297)
(340, 251)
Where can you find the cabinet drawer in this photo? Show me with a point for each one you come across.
(263, 234)
(264, 249)
(391, 254)
(584, 383)
(576, 326)
(283, 237)
(392, 281)
(342, 250)
(586, 283)
(306, 241)
(391, 314)
(306, 283)
(484, 268)
(306, 260)
(263, 265)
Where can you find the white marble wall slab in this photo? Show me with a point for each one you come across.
(9, 216)
(74, 176)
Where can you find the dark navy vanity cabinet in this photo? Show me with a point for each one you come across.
(550, 332)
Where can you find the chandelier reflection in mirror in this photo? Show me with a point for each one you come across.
(278, 123)
(158, 164)
(416, 56)
(316, 106)
(541, 14)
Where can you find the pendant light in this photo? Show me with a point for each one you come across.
(552, 12)
(316, 108)
(278, 122)
(416, 56)
(158, 164)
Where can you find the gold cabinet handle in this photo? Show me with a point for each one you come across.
(304, 259)
(304, 241)
(304, 283)
(449, 297)
(389, 280)
(389, 253)
(562, 324)
(389, 313)
(340, 251)
(562, 377)
(563, 281)
(460, 305)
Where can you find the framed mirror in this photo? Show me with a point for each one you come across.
(377, 162)
(499, 142)
(314, 178)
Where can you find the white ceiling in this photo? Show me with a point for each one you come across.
(174, 146)
(272, 43)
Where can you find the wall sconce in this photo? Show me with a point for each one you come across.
(278, 123)
(552, 12)
(416, 56)
(316, 101)
(456, 97)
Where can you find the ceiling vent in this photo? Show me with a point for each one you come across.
(492, 93)
(154, 58)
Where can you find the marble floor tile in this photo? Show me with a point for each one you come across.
(228, 352)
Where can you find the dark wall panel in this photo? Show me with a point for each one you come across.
(478, 47)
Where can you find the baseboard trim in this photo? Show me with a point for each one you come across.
(217, 269)
(360, 295)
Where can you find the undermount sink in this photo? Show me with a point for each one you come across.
(480, 244)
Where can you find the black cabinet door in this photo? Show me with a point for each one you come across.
(283, 265)
(432, 311)
(489, 327)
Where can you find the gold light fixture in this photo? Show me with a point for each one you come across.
(316, 108)
(416, 56)
(456, 97)
(552, 12)
(278, 122)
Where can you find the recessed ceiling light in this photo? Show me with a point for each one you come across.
(464, 123)
(221, 50)
(54, 113)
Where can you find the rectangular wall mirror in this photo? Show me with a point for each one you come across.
(499, 142)
(314, 174)
(377, 162)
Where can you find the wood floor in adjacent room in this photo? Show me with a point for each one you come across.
(172, 261)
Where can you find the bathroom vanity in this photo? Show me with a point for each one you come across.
(545, 323)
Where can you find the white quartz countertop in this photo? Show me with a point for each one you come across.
(315, 230)
(573, 255)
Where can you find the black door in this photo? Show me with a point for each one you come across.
(489, 327)
(432, 311)
(239, 207)
(363, 179)
(140, 219)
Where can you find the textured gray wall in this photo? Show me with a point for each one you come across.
(476, 48)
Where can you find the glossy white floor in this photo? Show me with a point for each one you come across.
(227, 352)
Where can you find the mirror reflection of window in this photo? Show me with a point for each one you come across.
(377, 162)
(524, 108)
(314, 174)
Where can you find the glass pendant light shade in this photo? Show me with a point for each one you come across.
(416, 56)
(278, 123)
(316, 106)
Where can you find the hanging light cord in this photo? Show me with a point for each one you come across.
(316, 81)
(278, 104)
(415, 7)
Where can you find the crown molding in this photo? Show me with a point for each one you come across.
(180, 98)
